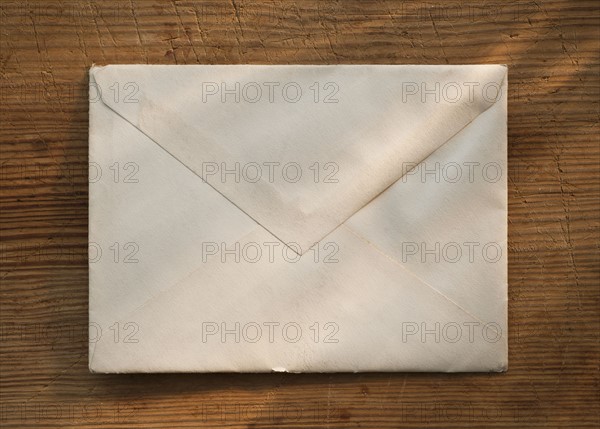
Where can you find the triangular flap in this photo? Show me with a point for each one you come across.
(299, 148)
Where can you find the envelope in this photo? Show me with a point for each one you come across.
(258, 218)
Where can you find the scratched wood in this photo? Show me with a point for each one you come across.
(551, 48)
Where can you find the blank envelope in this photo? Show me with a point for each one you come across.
(255, 218)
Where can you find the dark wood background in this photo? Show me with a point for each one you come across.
(552, 49)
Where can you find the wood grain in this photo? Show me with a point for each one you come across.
(552, 49)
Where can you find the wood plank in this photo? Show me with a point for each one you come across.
(552, 49)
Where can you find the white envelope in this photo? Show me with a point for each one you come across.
(256, 218)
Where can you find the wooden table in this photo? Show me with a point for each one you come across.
(552, 49)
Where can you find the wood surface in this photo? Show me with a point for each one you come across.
(552, 50)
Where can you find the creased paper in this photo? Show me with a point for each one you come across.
(298, 218)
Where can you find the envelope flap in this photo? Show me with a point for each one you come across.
(299, 148)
